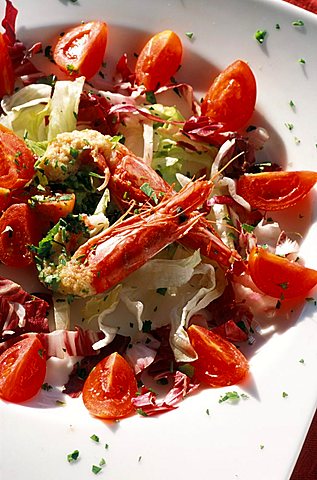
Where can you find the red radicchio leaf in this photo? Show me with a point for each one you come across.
(8, 23)
(124, 71)
(203, 129)
(62, 343)
(94, 112)
(221, 200)
(20, 312)
(18, 53)
(149, 405)
(231, 331)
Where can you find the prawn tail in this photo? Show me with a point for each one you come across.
(108, 258)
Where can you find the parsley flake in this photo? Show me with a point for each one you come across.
(148, 190)
(302, 361)
(284, 395)
(260, 35)
(47, 387)
(248, 228)
(141, 412)
(231, 396)
(95, 438)
(189, 35)
(298, 23)
(95, 469)
(150, 97)
(72, 457)
(147, 326)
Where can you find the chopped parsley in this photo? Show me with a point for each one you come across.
(189, 35)
(291, 104)
(150, 97)
(232, 397)
(141, 412)
(147, 326)
(298, 23)
(95, 469)
(161, 291)
(302, 361)
(284, 395)
(71, 69)
(290, 126)
(47, 387)
(72, 457)
(248, 228)
(95, 438)
(260, 35)
(188, 369)
(302, 61)
(148, 190)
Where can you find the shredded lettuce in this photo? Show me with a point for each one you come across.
(34, 113)
(175, 153)
(25, 111)
(64, 106)
(161, 292)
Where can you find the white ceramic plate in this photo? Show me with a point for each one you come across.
(260, 437)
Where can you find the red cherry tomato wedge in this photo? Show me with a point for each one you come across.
(7, 77)
(81, 50)
(19, 228)
(159, 60)
(278, 277)
(231, 97)
(53, 207)
(109, 388)
(219, 362)
(275, 190)
(22, 370)
(16, 161)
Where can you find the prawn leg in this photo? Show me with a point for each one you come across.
(106, 259)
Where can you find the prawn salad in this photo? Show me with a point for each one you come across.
(144, 210)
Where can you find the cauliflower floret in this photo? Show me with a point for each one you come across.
(64, 155)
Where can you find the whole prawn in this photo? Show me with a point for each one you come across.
(109, 257)
(128, 173)
(125, 173)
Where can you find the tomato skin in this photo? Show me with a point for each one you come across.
(159, 60)
(19, 228)
(7, 77)
(278, 277)
(109, 388)
(231, 98)
(81, 50)
(219, 362)
(16, 161)
(275, 190)
(22, 370)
